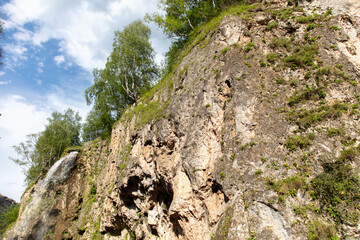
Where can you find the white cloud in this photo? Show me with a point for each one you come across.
(20, 118)
(22, 35)
(85, 28)
(2, 73)
(59, 59)
(40, 67)
(15, 53)
(15, 49)
(58, 100)
(38, 82)
(17, 120)
(5, 82)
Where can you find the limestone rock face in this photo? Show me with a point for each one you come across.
(349, 12)
(228, 146)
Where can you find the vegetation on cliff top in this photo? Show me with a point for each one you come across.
(130, 71)
(40, 151)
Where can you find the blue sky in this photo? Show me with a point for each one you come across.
(50, 49)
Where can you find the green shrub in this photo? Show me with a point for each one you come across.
(272, 25)
(92, 189)
(288, 186)
(281, 42)
(338, 190)
(301, 142)
(305, 118)
(319, 230)
(333, 131)
(324, 71)
(306, 19)
(334, 28)
(349, 154)
(302, 56)
(311, 136)
(280, 81)
(249, 46)
(272, 57)
(223, 51)
(293, 82)
(310, 26)
(248, 64)
(262, 63)
(310, 93)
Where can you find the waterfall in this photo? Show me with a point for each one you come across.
(39, 200)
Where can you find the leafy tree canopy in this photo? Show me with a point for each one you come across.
(130, 70)
(40, 151)
(181, 17)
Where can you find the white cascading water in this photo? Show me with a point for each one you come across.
(38, 202)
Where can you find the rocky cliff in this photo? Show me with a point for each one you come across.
(254, 136)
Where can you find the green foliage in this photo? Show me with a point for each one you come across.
(252, 236)
(306, 19)
(337, 189)
(92, 192)
(319, 230)
(146, 112)
(272, 25)
(98, 123)
(182, 45)
(288, 186)
(300, 210)
(334, 28)
(272, 57)
(130, 70)
(331, 132)
(292, 143)
(305, 118)
(302, 56)
(8, 218)
(280, 81)
(224, 50)
(324, 71)
(293, 82)
(262, 63)
(310, 93)
(249, 46)
(284, 13)
(40, 151)
(309, 27)
(181, 17)
(281, 43)
(225, 224)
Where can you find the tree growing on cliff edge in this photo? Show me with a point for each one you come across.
(183, 16)
(130, 70)
(40, 151)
